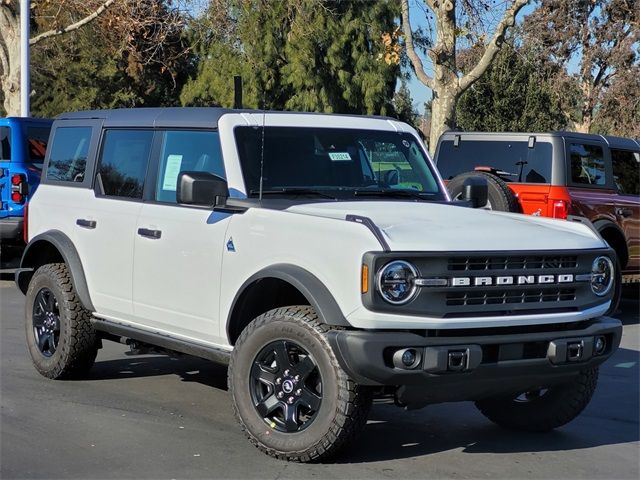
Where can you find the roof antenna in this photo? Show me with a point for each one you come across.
(262, 148)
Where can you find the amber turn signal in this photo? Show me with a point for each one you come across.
(364, 287)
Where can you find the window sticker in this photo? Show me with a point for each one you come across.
(340, 156)
(171, 171)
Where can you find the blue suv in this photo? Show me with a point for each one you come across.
(23, 142)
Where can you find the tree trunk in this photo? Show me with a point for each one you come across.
(445, 78)
(443, 114)
(10, 58)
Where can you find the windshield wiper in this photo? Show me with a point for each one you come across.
(292, 191)
(391, 193)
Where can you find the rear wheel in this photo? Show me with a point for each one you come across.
(290, 395)
(61, 340)
(542, 409)
(499, 196)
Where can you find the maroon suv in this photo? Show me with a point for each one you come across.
(560, 175)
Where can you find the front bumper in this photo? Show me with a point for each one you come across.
(488, 362)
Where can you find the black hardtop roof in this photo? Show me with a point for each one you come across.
(174, 116)
(612, 141)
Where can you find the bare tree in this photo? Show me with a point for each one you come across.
(124, 19)
(602, 37)
(454, 21)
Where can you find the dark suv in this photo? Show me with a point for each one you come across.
(562, 175)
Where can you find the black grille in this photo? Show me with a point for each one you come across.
(512, 263)
(505, 297)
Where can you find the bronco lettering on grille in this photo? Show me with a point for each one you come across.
(511, 280)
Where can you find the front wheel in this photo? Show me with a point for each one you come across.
(542, 409)
(290, 395)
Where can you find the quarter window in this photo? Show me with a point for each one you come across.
(186, 151)
(123, 166)
(587, 164)
(626, 171)
(68, 157)
(37, 138)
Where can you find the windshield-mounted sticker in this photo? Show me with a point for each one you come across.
(340, 156)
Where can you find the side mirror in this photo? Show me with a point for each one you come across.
(475, 191)
(202, 189)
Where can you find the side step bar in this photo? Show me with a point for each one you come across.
(214, 354)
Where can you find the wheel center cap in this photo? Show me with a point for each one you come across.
(287, 386)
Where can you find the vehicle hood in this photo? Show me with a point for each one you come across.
(421, 226)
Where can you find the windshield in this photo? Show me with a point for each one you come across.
(340, 163)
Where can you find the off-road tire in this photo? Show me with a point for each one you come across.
(557, 407)
(77, 344)
(345, 404)
(500, 196)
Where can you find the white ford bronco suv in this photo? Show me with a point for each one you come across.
(321, 257)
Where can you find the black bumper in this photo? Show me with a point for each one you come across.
(486, 364)
(11, 229)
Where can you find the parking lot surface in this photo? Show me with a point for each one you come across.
(156, 417)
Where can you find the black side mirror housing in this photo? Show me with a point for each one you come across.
(201, 189)
(475, 191)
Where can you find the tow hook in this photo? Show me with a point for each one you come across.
(573, 350)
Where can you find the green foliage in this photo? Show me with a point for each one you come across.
(403, 105)
(513, 95)
(304, 55)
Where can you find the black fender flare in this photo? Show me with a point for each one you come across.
(63, 244)
(604, 223)
(308, 284)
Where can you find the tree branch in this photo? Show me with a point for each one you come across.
(508, 20)
(73, 26)
(411, 51)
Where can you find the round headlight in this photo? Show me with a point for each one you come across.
(602, 275)
(396, 282)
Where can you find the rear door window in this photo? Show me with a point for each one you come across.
(184, 151)
(626, 171)
(513, 161)
(5, 143)
(587, 164)
(68, 157)
(124, 162)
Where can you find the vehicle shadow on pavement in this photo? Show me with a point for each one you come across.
(392, 433)
(189, 369)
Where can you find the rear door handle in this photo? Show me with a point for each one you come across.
(624, 212)
(86, 223)
(149, 233)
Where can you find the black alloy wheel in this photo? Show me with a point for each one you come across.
(286, 386)
(46, 322)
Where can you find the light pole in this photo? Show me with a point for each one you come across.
(24, 58)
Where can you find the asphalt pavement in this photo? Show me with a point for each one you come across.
(154, 417)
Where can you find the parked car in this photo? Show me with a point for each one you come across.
(278, 243)
(23, 142)
(559, 175)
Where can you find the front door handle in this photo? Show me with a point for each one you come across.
(149, 233)
(624, 212)
(82, 222)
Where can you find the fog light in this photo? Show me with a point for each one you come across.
(407, 358)
(600, 345)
